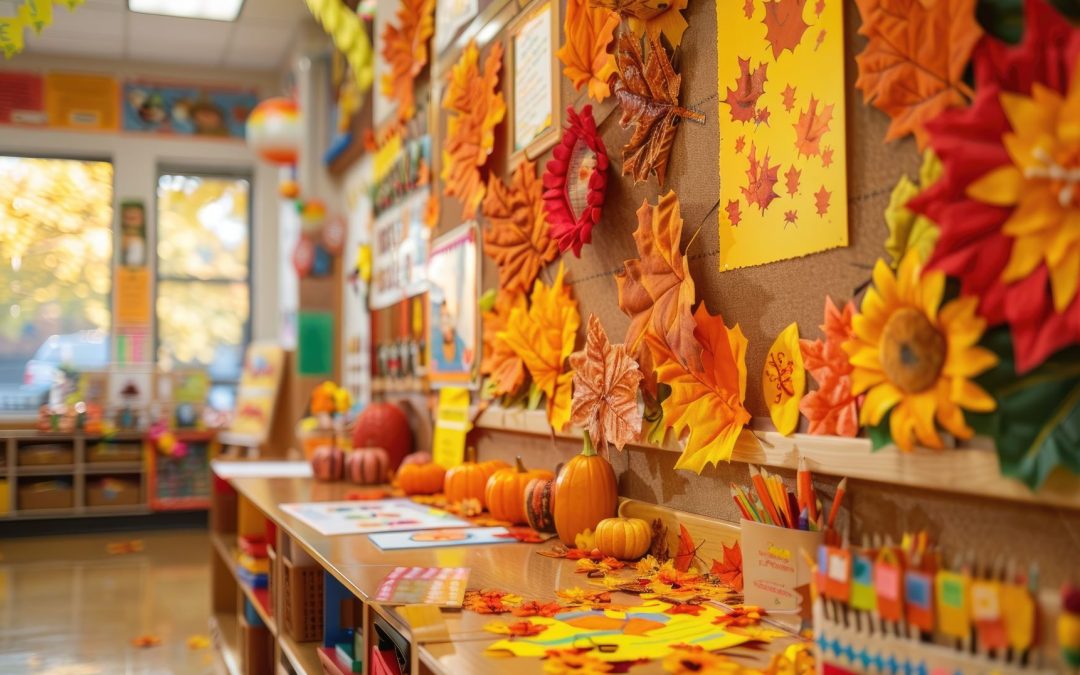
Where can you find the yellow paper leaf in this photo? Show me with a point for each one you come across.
(907, 230)
(544, 338)
(783, 380)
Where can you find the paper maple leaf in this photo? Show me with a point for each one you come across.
(914, 61)
(606, 380)
(733, 212)
(789, 98)
(821, 200)
(684, 557)
(707, 403)
(405, 50)
(651, 17)
(476, 108)
(812, 125)
(589, 31)
(648, 93)
(784, 25)
(544, 337)
(791, 181)
(749, 87)
(500, 362)
(517, 236)
(729, 570)
(831, 409)
(761, 181)
(908, 230)
(656, 290)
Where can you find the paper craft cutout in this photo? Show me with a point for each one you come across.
(544, 338)
(606, 380)
(831, 409)
(645, 632)
(405, 50)
(783, 153)
(651, 18)
(914, 61)
(443, 586)
(589, 31)
(500, 362)
(458, 536)
(516, 236)
(863, 596)
(367, 517)
(783, 380)
(729, 570)
(889, 585)
(952, 604)
(648, 93)
(1020, 616)
(575, 182)
(915, 359)
(919, 599)
(986, 614)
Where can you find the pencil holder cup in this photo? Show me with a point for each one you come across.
(776, 574)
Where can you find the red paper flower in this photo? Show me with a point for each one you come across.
(575, 180)
(1009, 202)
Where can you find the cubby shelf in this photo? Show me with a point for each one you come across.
(302, 655)
(259, 598)
(970, 470)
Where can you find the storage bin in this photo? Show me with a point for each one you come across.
(776, 575)
(5, 498)
(46, 494)
(302, 593)
(113, 492)
(52, 454)
(114, 452)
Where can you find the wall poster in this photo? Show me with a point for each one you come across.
(453, 298)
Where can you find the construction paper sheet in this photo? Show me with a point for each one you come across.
(460, 536)
(451, 425)
(133, 296)
(425, 585)
(75, 101)
(229, 470)
(315, 351)
(22, 98)
(645, 632)
(783, 167)
(366, 517)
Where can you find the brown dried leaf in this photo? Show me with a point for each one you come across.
(606, 381)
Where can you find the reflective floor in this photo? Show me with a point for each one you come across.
(69, 606)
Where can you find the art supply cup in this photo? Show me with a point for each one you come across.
(776, 576)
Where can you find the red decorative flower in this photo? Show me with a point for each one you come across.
(575, 180)
(1009, 202)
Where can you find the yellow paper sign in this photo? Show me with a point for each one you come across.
(1019, 616)
(132, 296)
(76, 101)
(783, 169)
(451, 425)
(783, 380)
(952, 606)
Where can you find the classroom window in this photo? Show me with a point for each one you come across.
(203, 288)
(56, 247)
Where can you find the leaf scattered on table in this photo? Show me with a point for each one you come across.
(124, 547)
(684, 558)
(195, 642)
(534, 608)
(729, 570)
(145, 641)
(490, 601)
(606, 380)
(515, 629)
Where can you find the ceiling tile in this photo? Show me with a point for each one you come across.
(74, 46)
(176, 53)
(252, 34)
(148, 28)
(277, 10)
(88, 21)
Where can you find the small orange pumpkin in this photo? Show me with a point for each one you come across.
(585, 493)
(623, 538)
(421, 479)
(469, 480)
(505, 491)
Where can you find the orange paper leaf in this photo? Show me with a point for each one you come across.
(544, 337)
(914, 61)
(729, 570)
(500, 362)
(784, 24)
(651, 17)
(516, 237)
(687, 550)
(606, 380)
(405, 50)
(812, 125)
(589, 31)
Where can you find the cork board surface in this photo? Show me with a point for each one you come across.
(764, 299)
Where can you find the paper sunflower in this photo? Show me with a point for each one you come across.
(917, 358)
(1009, 202)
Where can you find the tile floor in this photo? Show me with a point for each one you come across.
(69, 607)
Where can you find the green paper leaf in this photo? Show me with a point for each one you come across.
(1036, 426)
(880, 436)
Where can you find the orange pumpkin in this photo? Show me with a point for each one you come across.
(469, 480)
(585, 493)
(505, 491)
(421, 479)
(623, 538)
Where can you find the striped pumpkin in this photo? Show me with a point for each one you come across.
(327, 463)
(538, 504)
(367, 466)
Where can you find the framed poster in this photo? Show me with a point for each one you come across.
(534, 77)
(453, 298)
(186, 109)
(450, 17)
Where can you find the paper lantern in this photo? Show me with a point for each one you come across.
(273, 131)
(312, 215)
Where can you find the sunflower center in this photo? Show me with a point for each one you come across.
(1063, 174)
(912, 350)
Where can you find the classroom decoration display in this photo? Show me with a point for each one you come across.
(623, 538)
(196, 110)
(405, 49)
(347, 31)
(504, 492)
(648, 93)
(453, 322)
(502, 366)
(539, 500)
(384, 425)
(516, 236)
(543, 336)
(909, 230)
(367, 466)
(913, 65)
(575, 182)
(651, 18)
(783, 380)
(476, 107)
(327, 463)
(421, 479)
(585, 493)
(831, 409)
(36, 15)
(589, 31)
(916, 358)
(606, 381)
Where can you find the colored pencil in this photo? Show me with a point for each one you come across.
(804, 519)
(749, 503)
(739, 503)
(840, 490)
(763, 494)
(807, 498)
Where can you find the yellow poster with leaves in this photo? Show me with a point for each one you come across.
(783, 156)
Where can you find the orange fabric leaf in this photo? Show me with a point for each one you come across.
(729, 570)
(500, 362)
(516, 237)
(606, 380)
(914, 61)
(651, 17)
(405, 49)
(831, 409)
(589, 31)
(544, 337)
(476, 107)
(708, 403)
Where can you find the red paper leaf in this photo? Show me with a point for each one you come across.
(826, 157)
(687, 551)
(812, 125)
(760, 181)
(784, 24)
(789, 98)
(790, 217)
(740, 144)
(748, 9)
(733, 213)
(762, 116)
(748, 89)
(822, 200)
(729, 570)
(791, 179)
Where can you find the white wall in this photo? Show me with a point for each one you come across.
(137, 159)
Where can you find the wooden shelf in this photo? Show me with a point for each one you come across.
(45, 470)
(95, 468)
(973, 469)
(258, 597)
(226, 636)
(302, 655)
